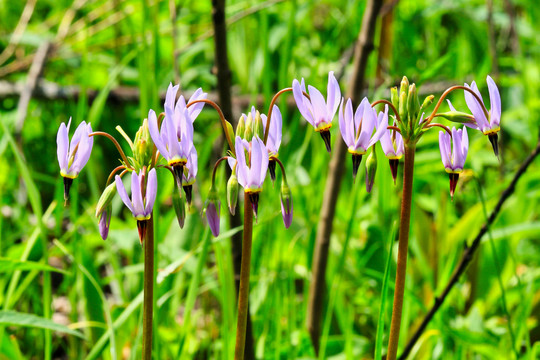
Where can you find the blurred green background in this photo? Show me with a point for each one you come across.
(110, 61)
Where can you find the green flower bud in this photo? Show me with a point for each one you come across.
(458, 116)
(286, 203)
(427, 101)
(106, 198)
(404, 88)
(232, 193)
(230, 131)
(259, 127)
(403, 107)
(179, 205)
(240, 128)
(371, 169)
(394, 97)
(413, 105)
(143, 146)
(248, 133)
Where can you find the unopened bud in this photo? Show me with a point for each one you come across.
(458, 116)
(259, 127)
(413, 105)
(143, 146)
(212, 209)
(404, 87)
(232, 193)
(248, 133)
(179, 206)
(371, 169)
(106, 198)
(403, 107)
(427, 101)
(286, 203)
(240, 128)
(394, 97)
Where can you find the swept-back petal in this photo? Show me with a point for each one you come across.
(241, 158)
(319, 106)
(476, 107)
(333, 95)
(263, 161)
(444, 147)
(123, 193)
(256, 159)
(136, 195)
(62, 145)
(464, 144)
(151, 191)
(155, 135)
(170, 100)
(381, 125)
(299, 98)
(495, 102)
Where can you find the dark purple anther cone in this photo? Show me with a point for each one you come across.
(141, 226)
(67, 186)
(272, 169)
(394, 167)
(356, 160)
(494, 140)
(326, 137)
(254, 198)
(453, 182)
(188, 189)
(178, 174)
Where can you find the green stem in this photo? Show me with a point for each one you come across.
(148, 303)
(404, 225)
(243, 293)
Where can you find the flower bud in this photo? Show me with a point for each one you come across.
(211, 210)
(404, 87)
(105, 199)
(143, 146)
(286, 203)
(240, 128)
(427, 101)
(179, 207)
(232, 193)
(371, 169)
(248, 133)
(259, 127)
(403, 107)
(413, 105)
(394, 97)
(458, 116)
(105, 222)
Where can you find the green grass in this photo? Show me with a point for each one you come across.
(51, 255)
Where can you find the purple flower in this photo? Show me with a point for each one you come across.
(275, 131)
(175, 138)
(190, 172)
(194, 110)
(139, 207)
(453, 157)
(318, 112)
(212, 215)
(105, 222)
(392, 144)
(274, 139)
(489, 125)
(73, 156)
(251, 176)
(357, 129)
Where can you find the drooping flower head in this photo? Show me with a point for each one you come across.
(489, 125)
(140, 204)
(286, 203)
(316, 110)
(73, 156)
(392, 144)
(453, 154)
(274, 139)
(251, 171)
(357, 129)
(212, 210)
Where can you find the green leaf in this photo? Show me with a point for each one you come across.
(13, 318)
(7, 265)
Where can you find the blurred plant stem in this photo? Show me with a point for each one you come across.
(404, 226)
(148, 302)
(363, 48)
(243, 293)
(468, 254)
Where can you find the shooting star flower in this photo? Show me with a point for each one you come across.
(274, 139)
(453, 155)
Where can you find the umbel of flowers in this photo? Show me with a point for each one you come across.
(165, 141)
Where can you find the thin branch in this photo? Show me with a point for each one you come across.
(118, 147)
(469, 252)
(389, 104)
